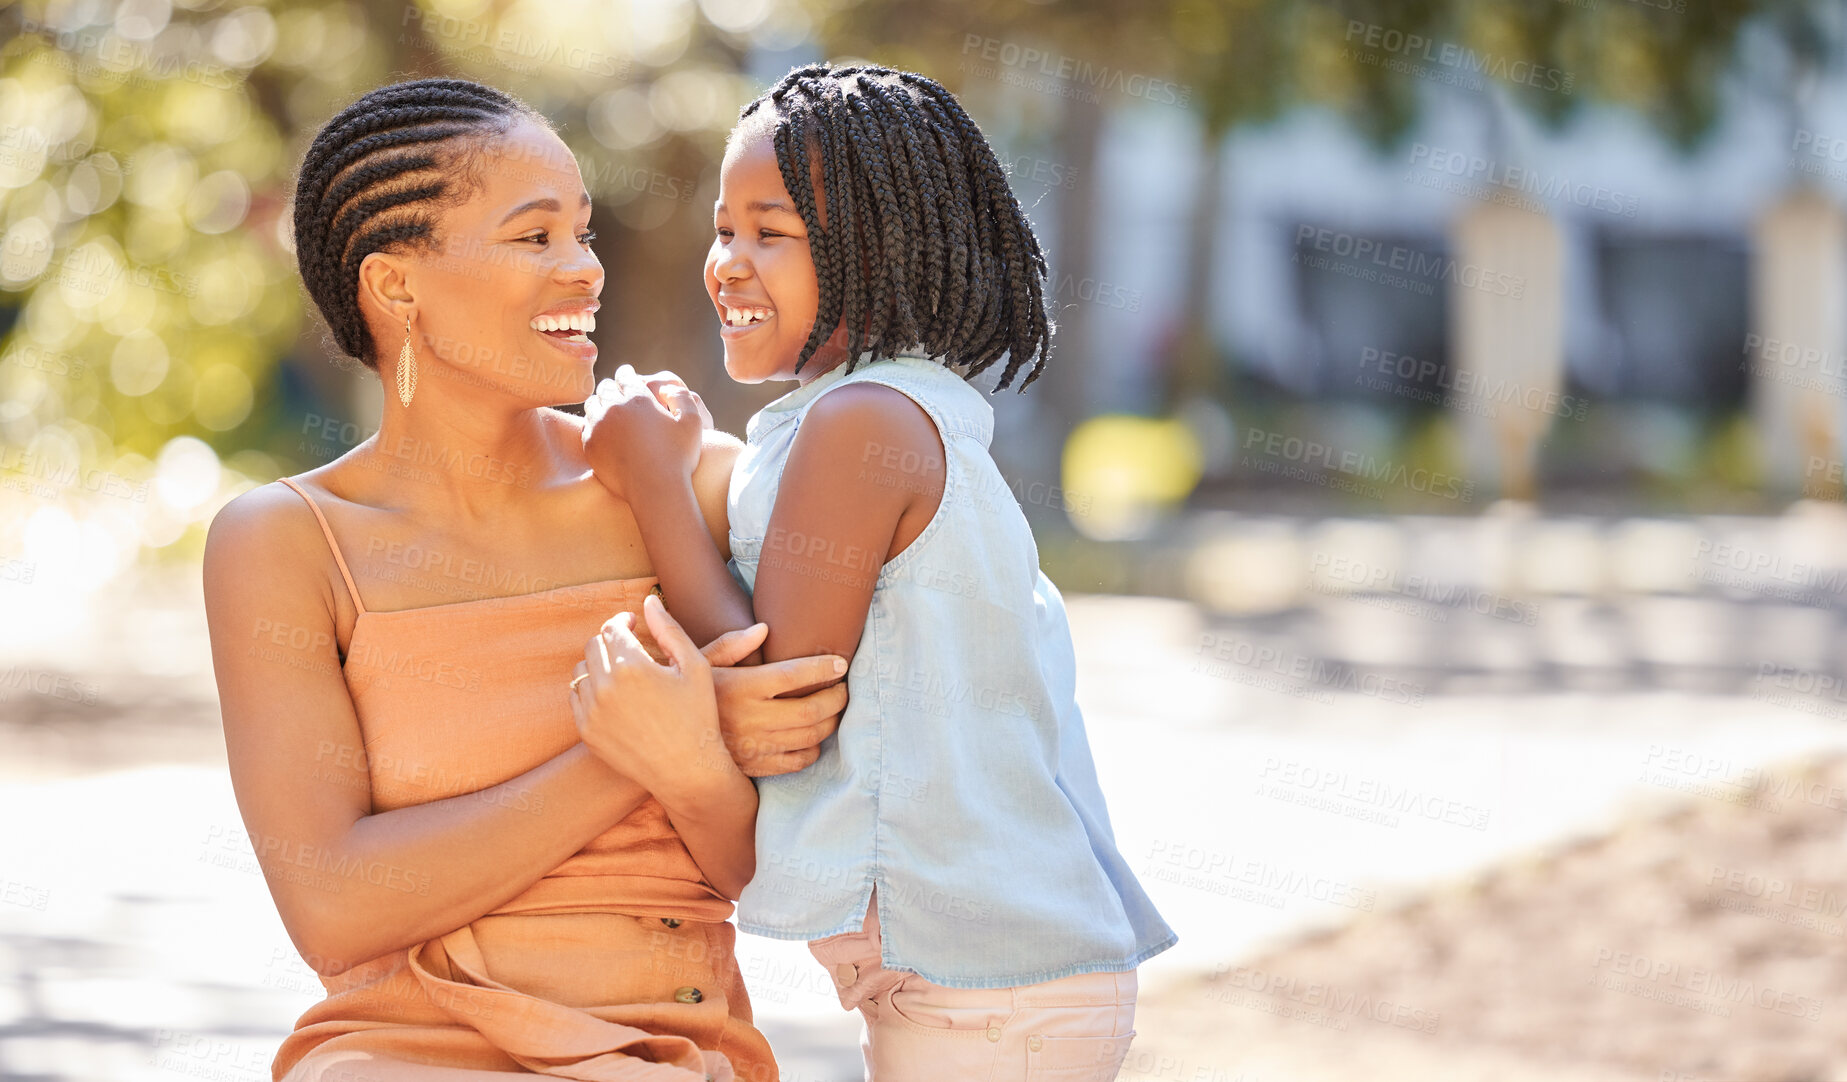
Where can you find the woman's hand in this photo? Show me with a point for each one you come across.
(658, 725)
(643, 431)
(651, 722)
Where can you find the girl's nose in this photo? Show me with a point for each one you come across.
(729, 267)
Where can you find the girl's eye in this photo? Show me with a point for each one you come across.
(723, 232)
(766, 234)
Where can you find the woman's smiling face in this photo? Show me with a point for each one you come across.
(506, 301)
(760, 270)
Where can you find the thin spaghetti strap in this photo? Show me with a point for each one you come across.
(339, 560)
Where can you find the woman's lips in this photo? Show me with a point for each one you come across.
(582, 350)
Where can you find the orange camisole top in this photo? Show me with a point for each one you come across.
(457, 698)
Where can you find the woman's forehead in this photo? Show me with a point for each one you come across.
(529, 162)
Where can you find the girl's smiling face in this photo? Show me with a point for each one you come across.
(760, 271)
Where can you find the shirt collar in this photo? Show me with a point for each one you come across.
(789, 406)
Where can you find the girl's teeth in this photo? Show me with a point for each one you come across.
(738, 317)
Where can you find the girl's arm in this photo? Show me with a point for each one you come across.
(685, 530)
(864, 478)
(648, 443)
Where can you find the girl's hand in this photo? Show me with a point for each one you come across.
(763, 733)
(643, 431)
(665, 385)
(651, 722)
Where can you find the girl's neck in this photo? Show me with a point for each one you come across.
(810, 373)
(822, 363)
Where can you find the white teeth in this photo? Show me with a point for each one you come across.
(570, 321)
(739, 317)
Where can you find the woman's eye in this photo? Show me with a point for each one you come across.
(587, 237)
(537, 238)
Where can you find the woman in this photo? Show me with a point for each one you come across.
(494, 866)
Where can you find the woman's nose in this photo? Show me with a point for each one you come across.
(581, 269)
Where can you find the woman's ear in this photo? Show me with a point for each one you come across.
(384, 287)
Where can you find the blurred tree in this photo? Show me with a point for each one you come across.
(138, 192)
(147, 150)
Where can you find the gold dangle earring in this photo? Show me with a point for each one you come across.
(407, 368)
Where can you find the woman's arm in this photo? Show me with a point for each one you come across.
(351, 884)
(298, 769)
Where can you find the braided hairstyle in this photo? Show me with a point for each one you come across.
(924, 243)
(372, 179)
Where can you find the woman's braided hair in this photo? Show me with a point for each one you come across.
(925, 244)
(372, 178)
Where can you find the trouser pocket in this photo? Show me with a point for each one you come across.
(1077, 1029)
(1074, 1030)
(1058, 1058)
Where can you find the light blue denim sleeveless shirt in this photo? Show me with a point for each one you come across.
(960, 781)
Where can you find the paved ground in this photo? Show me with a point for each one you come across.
(1423, 798)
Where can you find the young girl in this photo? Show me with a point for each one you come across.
(949, 856)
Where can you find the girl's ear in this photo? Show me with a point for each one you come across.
(385, 287)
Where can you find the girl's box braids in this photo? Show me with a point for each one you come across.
(924, 244)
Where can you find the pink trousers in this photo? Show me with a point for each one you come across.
(1076, 1029)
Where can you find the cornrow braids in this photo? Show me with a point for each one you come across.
(372, 178)
(924, 243)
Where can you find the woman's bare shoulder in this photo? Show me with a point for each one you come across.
(265, 539)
